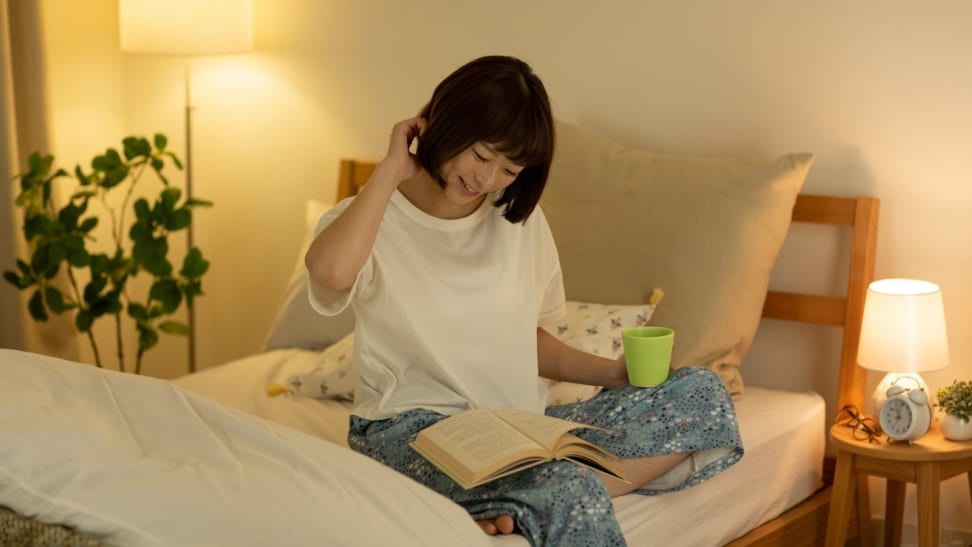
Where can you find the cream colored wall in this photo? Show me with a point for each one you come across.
(878, 90)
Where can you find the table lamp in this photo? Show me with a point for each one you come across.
(186, 27)
(902, 333)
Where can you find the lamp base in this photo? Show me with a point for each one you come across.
(907, 380)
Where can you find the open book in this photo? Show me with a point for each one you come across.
(477, 446)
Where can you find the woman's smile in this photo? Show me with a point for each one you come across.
(467, 190)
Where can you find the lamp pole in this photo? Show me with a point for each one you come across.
(190, 307)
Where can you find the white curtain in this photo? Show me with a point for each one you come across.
(24, 127)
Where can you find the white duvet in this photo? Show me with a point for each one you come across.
(139, 461)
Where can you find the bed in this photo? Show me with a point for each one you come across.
(254, 451)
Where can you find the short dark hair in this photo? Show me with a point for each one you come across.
(500, 101)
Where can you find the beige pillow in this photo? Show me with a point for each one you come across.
(708, 230)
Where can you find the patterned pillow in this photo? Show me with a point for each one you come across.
(594, 328)
(333, 377)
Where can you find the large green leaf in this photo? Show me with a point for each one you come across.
(68, 216)
(39, 164)
(136, 146)
(194, 265)
(150, 253)
(83, 320)
(36, 307)
(174, 327)
(88, 224)
(16, 280)
(169, 197)
(179, 219)
(55, 300)
(166, 292)
(147, 337)
(137, 311)
(115, 176)
(92, 291)
(196, 202)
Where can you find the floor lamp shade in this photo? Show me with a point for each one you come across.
(185, 27)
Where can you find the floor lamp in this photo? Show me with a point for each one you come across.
(186, 28)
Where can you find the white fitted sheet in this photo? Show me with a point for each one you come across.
(783, 435)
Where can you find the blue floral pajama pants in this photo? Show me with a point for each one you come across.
(564, 504)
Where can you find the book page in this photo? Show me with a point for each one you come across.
(478, 439)
(545, 430)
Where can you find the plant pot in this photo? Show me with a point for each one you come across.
(955, 428)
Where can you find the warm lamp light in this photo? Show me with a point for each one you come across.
(902, 333)
(186, 27)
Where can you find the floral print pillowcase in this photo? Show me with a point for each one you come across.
(594, 328)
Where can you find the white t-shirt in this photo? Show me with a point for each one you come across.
(447, 310)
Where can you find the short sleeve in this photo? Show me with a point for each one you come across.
(326, 301)
(553, 304)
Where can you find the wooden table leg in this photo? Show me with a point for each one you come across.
(841, 501)
(894, 512)
(928, 476)
(863, 492)
(969, 477)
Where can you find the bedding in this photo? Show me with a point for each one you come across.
(782, 432)
(134, 461)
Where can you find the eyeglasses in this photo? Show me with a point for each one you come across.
(863, 427)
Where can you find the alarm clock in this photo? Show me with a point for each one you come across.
(906, 414)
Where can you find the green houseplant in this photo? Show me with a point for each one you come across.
(98, 282)
(956, 402)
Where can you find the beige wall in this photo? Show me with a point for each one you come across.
(878, 90)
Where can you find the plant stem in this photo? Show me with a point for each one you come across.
(77, 295)
(138, 360)
(118, 343)
(128, 196)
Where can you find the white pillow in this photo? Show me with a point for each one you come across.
(297, 324)
(593, 328)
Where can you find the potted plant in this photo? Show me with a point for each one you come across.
(98, 282)
(955, 401)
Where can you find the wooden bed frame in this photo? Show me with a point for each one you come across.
(806, 523)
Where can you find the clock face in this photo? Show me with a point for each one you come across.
(896, 418)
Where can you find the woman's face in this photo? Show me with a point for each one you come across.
(477, 171)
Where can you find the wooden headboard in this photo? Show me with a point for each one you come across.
(804, 524)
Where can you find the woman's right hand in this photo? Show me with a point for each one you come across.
(399, 158)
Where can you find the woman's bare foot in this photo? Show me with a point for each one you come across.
(502, 524)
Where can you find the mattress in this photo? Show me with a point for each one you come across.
(783, 433)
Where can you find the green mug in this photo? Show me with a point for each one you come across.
(648, 354)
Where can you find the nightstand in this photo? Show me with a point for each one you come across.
(926, 462)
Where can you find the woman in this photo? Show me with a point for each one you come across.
(451, 269)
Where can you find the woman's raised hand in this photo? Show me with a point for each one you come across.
(399, 157)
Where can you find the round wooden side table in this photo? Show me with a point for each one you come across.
(925, 462)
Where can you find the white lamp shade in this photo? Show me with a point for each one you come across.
(904, 327)
(185, 27)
